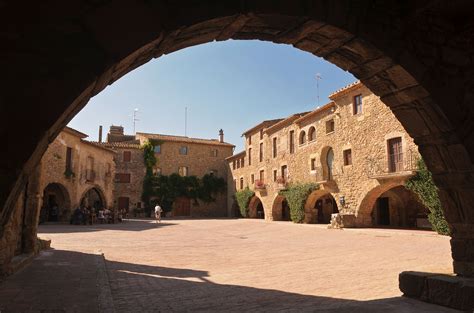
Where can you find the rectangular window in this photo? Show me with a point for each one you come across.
(274, 147)
(250, 139)
(122, 178)
(358, 104)
(250, 156)
(395, 154)
(214, 152)
(183, 171)
(69, 160)
(261, 134)
(139, 205)
(183, 150)
(238, 163)
(252, 178)
(275, 174)
(347, 157)
(262, 175)
(242, 162)
(233, 165)
(313, 164)
(127, 156)
(292, 141)
(329, 126)
(241, 183)
(261, 152)
(157, 149)
(284, 171)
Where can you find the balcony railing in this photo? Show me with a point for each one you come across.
(392, 165)
(323, 175)
(281, 183)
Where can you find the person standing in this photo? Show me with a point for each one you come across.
(158, 211)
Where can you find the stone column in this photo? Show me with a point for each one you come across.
(32, 212)
(462, 249)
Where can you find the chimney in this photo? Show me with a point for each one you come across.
(100, 133)
(221, 135)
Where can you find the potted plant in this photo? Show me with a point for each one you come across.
(259, 184)
(281, 182)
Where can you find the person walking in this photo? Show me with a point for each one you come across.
(158, 211)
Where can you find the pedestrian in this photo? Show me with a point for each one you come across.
(158, 211)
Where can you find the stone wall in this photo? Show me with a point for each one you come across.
(365, 134)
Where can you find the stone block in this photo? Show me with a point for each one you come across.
(412, 283)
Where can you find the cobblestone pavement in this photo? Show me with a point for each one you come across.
(253, 265)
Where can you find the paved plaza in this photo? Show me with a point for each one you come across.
(223, 265)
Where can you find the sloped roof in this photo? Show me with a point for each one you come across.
(345, 89)
(126, 144)
(97, 145)
(285, 122)
(237, 155)
(119, 137)
(323, 108)
(75, 132)
(185, 139)
(264, 124)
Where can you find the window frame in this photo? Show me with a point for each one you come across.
(347, 157)
(357, 107)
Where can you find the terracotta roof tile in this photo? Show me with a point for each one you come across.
(125, 144)
(163, 137)
(345, 89)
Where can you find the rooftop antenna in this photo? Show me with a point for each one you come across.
(135, 119)
(318, 78)
(185, 121)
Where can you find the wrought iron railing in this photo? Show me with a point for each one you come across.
(392, 164)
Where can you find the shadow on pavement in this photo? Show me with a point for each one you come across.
(66, 281)
(127, 225)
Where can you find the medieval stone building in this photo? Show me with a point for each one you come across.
(353, 148)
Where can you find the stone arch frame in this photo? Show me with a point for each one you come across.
(277, 207)
(64, 192)
(324, 162)
(385, 56)
(253, 204)
(311, 202)
(99, 191)
(302, 137)
(311, 133)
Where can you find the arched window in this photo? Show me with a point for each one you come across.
(312, 134)
(302, 137)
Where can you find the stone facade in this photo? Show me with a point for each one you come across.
(342, 148)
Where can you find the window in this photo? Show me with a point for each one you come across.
(250, 156)
(292, 141)
(127, 156)
(262, 175)
(123, 203)
(122, 178)
(329, 126)
(261, 134)
(233, 165)
(311, 133)
(139, 205)
(261, 152)
(241, 183)
(313, 164)
(250, 139)
(157, 171)
(302, 137)
(274, 147)
(284, 171)
(238, 163)
(183, 150)
(252, 178)
(347, 157)
(183, 171)
(358, 104)
(90, 174)
(275, 174)
(157, 149)
(214, 152)
(242, 162)
(69, 160)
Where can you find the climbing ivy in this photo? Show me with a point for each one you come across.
(150, 162)
(423, 185)
(296, 195)
(243, 199)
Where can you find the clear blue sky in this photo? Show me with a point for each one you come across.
(232, 85)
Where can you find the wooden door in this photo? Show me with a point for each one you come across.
(395, 155)
(123, 203)
(182, 207)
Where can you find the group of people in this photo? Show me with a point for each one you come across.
(84, 215)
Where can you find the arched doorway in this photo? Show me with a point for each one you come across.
(319, 207)
(56, 203)
(93, 199)
(399, 207)
(280, 209)
(329, 163)
(256, 208)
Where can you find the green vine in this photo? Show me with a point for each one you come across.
(150, 162)
(296, 195)
(423, 185)
(243, 199)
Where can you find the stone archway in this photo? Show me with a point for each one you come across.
(319, 207)
(56, 205)
(256, 209)
(427, 83)
(94, 199)
(280, 209)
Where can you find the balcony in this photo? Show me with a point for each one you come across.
(259, 184)
(281, 183)
(401, 165)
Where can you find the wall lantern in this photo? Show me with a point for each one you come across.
(342, 200)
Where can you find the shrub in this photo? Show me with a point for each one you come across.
(243, 199)
(296, 196)
(423, 185)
